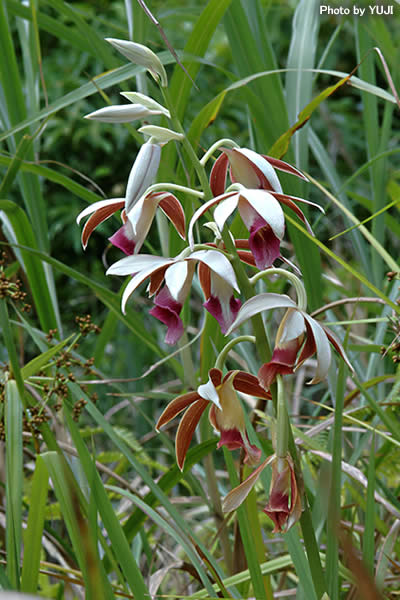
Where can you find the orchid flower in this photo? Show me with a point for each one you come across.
(226, 413)
(142, 174)
(177, 274)
(296, 326)
(262, 214)
(284, 505)
(255, 171)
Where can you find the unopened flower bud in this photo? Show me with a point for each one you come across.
(142, 173)
(141, 55)
(122, 113)
(138, 98)
(161, 134)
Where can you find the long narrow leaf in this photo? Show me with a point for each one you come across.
(14, 477)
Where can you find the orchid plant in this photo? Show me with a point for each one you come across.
(227, 270)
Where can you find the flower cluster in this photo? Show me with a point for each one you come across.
(254, 189)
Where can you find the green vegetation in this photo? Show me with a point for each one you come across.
(93, 503)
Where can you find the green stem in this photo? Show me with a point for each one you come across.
(263, 347)
(297, 283)
(283, 425)
(215, 146)
(219, 363)
(200, 170)
(161, 187)
(310, 541)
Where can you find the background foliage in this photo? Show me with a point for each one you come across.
(91, 499)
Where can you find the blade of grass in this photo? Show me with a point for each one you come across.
(37, 363)
(109, 299)
(50, 25)
(171, 478)
(142, 472)
(257, 581)
(302, 52)
(14, 481)
(368, 545)
(377, 138)
(171, 530)
(52, 175)
(301, 564)
(333, 518)
(110, 520)
(386, 551)
(33, 267)
(252, 53)
(347, 266)
(74, 510)
(34, 529)
(9, 342)
(98, 46)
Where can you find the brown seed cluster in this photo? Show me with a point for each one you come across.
(11, 288)
(77, 409)
(51, 383)
(392, 275)
(34, 418)
(86, 326)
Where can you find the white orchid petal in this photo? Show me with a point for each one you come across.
(267, 207)
(95, 206)
(138, 98)
(236, 496)
(265, 167)
(141, 216)
(301, 200)
(291, 327)
(133, 284)
(218, 263)
(175, 278)
(208, 392)
(122, 113)
(224, 210)
(257, 304)
(135, 264)
(200, 212)
(161, 134)
(323, 349)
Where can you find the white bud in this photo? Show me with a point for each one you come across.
(122, 113)
(141, 55)
(142, 174)
(146, 101)
(161, 135)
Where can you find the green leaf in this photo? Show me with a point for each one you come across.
(132, 320)
(171, 478)
(334, 514)
(281, 146)
(32, 265)
(37, 363)
(14, 481)
(110, 520)
(368, 545)
(34, 529)
(74, 509)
